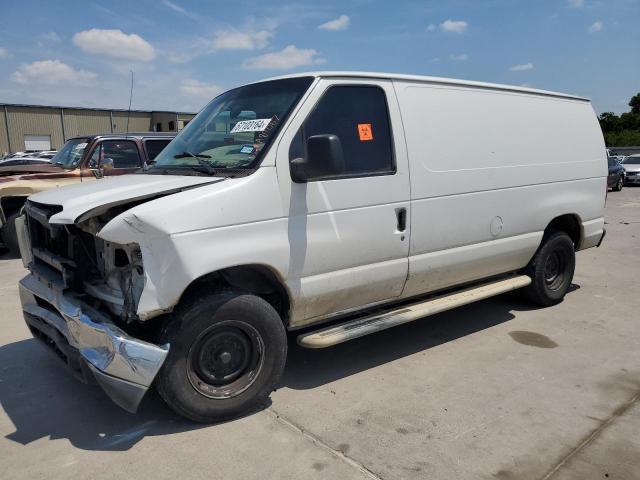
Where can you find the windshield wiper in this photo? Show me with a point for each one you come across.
(205, 167)
(186, 154)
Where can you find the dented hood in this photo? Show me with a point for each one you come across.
(80, 199)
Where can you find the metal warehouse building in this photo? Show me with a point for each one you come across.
(38, 127)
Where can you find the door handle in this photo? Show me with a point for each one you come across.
(401, 215)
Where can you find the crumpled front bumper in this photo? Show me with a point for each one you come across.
(90, 343)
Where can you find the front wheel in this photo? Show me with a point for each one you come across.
(551, 270)
(10, 236)
(227, 353)
(618, 186)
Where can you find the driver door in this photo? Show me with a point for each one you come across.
(124, 153)
(348, 236)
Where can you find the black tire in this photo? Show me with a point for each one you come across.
(227, 353)
(551, 270)
(618, 186)
(10, 236)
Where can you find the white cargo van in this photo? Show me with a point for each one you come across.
(355, 200)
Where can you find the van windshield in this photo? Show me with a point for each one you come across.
(631, 160)
(71, 153)
(235, 129)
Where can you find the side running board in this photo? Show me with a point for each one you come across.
(362, 326)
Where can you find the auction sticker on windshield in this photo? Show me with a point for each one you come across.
(257, 125)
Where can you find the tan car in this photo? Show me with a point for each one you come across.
(81, 159)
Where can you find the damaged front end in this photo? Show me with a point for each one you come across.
(82, 297)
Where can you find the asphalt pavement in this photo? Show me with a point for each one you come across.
(496, 389)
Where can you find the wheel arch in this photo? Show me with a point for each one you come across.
(11, 204)
(569, 223)
(257, 279)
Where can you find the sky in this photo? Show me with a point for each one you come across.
(185, 52)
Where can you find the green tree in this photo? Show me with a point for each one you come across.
(634, 103)
(623, 130)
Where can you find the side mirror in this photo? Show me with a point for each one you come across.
(106, 164)
(324, 159)
(103, 165)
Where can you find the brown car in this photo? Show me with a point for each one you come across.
(81, 159)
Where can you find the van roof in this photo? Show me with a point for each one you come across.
(431, 80)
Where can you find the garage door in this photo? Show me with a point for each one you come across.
(37, 142)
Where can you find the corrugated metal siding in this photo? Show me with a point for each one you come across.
(4, 141)
(42, 120)
(86, 122)
(139, 122)
(163, 118)
(34, 121)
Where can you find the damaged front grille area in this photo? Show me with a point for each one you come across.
(62, 254)
(71, 257)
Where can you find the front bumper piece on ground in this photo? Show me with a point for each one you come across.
(89, 343)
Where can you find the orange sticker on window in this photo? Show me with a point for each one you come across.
(364, 132)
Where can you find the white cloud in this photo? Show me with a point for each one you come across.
(454, 26)
(52, 72)
(225, 39)
(49, 37)
(180, 57)
(435, 59)
(431, 27)
(289, 57)
(340, 23)
(521, 67)
(463, 57)
(195, 88)
(576, 3)
(174, 6)
(45, 39)
(4, 53)
(595, 27)
(177, 8)
(115, 43)
(237, 40)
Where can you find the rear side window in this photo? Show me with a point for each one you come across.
(154, 147)
(123, 152)
(359, 117)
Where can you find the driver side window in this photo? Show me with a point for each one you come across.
(124, 153)
(359, 117)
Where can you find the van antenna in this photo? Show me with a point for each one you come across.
(130, 98)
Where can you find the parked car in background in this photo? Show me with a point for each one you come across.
(26, 153)
(24, 161)
(615, 179)
(367, 199)
(631, 165)
(31, 159)
(81, 159)
(45, 154)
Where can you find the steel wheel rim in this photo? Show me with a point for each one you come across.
(554, 270)
(225, 359)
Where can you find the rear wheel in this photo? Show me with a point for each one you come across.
(227, 353)
(551, 270)
(10, 236)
